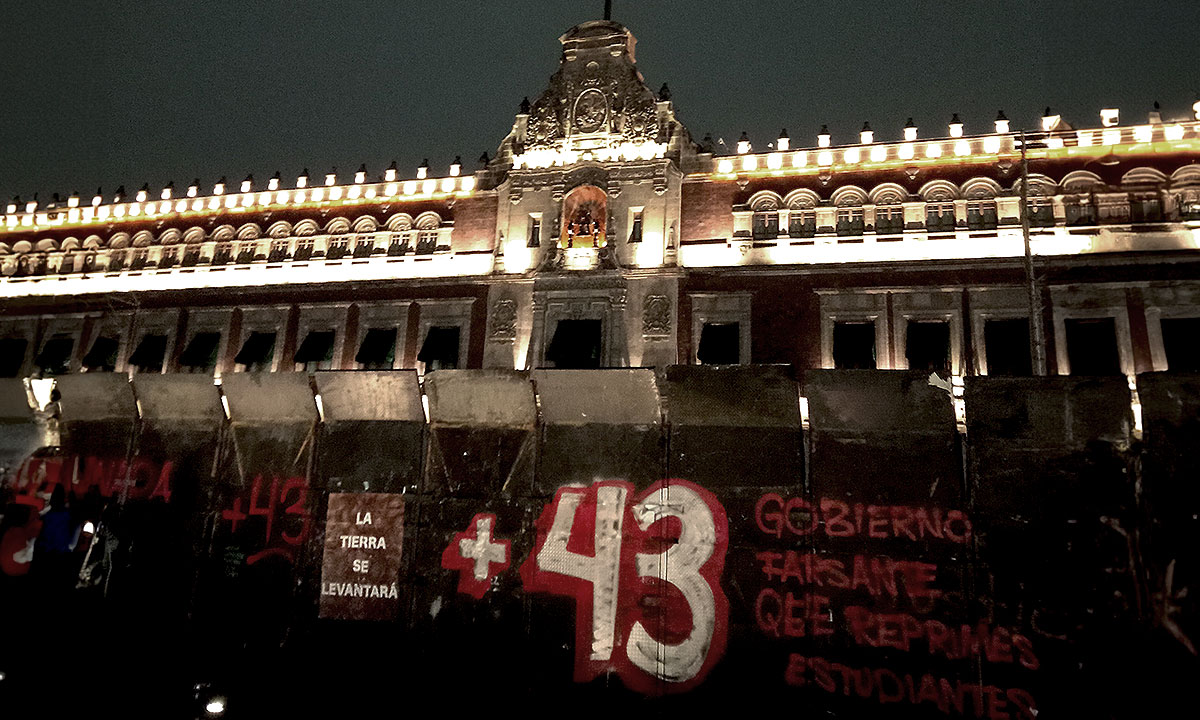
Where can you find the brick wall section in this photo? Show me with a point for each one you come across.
(474, 223)
(706, 211)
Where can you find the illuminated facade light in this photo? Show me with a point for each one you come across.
(302, 180)
(1196, 109)
(219, 188)
(750, 163)
(456, 167)
(1054, 143)
(318, 194)
(1112, 137)
(166, 192)
(330, 179)
(825, 158)
(96, 199)
(1173, 132)
(467, 184)
(905, 151)
(956, 126)
(197, 205)
(31, 206)
(281, 197)
(230, 202)
(142, 194)
(1050, 120)
(962, 148)
(879, 153)
(1083, 139)
(73, 201)
(264, 198)
(823, 137)
(910, 130)
(1002, 124)
(181, 206)
(429, 186)
(335, 193)
(725, 166)
(354, 192)
(447, 185)
(775, 161)
(991, 144)
(1143, 133)
(852, 155)
(1110, 117)
(298, 196)
(273, 183)
(391, 189)
(214, 203)
(247, 200)
(866, 136)
(800, 159)
(11, 208)
(247, 183)
(423, 170)
(743, 145)
(194, 189)
(783, 143)
(410, 187)
(933, 150)
(389, 175)
(360, 176)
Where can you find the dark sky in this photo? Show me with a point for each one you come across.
(124, 92)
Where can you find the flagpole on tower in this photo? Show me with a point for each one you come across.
(608, 9)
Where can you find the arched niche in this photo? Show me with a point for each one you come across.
(584, 217)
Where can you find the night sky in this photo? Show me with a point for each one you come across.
(123, 92)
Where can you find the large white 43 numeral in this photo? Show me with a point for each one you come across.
(679, 565)
(692, 564)
(601, 569)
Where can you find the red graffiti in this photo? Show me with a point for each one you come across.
(776, 515)
(790, 616)
(886, 686)
(477, 557)
(645, 574)
(141, 478)
(877, 575)
(17, 543)
(279, 504)
(901, 631)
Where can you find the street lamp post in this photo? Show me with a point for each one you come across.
(1037, 332)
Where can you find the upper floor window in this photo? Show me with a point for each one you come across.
(378, 349)
(140, 256)
(55, 357)
(802, 223)
(279, 251)
(364, 247)
(102, 357)
(939, 217)
(338, 248)
(200, 355)
(1145, 208)
(981, 215)
(854, 345)
(766, 225)
(720, 344)
(1006, 345)
(850, 221)
(223, 253)
(1079, 211)
(440, 349)
(1189, 205)
(635, 227)
(304, 249)
(1041, 212)
(427, 242)
(889, 220)
(1181, 343)
(1092, 346)
(116, 260)
(316, 351)
(535, 231)
(245, 252)
(927, 346)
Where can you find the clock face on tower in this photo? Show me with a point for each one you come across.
(591, 110)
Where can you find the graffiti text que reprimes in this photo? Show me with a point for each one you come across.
(777, 515)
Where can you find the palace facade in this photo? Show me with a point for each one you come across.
(603, 234)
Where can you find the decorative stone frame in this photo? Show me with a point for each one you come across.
(161, 323)
(993, 304)
(21, 328)
(924, 305)
(1178, 300)
(319, 318)
(608, 305)
(264, 319)
(382, 315)
(1075, 302)
(867, 305)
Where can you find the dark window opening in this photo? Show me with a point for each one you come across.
(440, 349)
(889, 220)
(427, 242)
(378, 349)
(1080, 213)
(316, 351)
(927, 346)
(1041, 213)
(982, 216)
(939, 217)
(55, 357)
(635, 232)
(766, 225)
(150, 353)
(116, 260)
(222, 254)
(200, 355)
(257, 352)
(1006, 343)
(576, 344)
(337, 249)
(103, 355)
(191, 257)
(854, 345)
(304, 250)
(398, 246)
(1092, 346)
(245, 254)
(1145, 209)
(802, 224)
(720, 344)
(279, 251)
(364, 248)
(535, 232)
(12, 356)
(1181, 342)
(850, 222)
(139, 259)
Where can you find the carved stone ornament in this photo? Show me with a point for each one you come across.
(656, 316)
(504, 321)
(591, 110)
